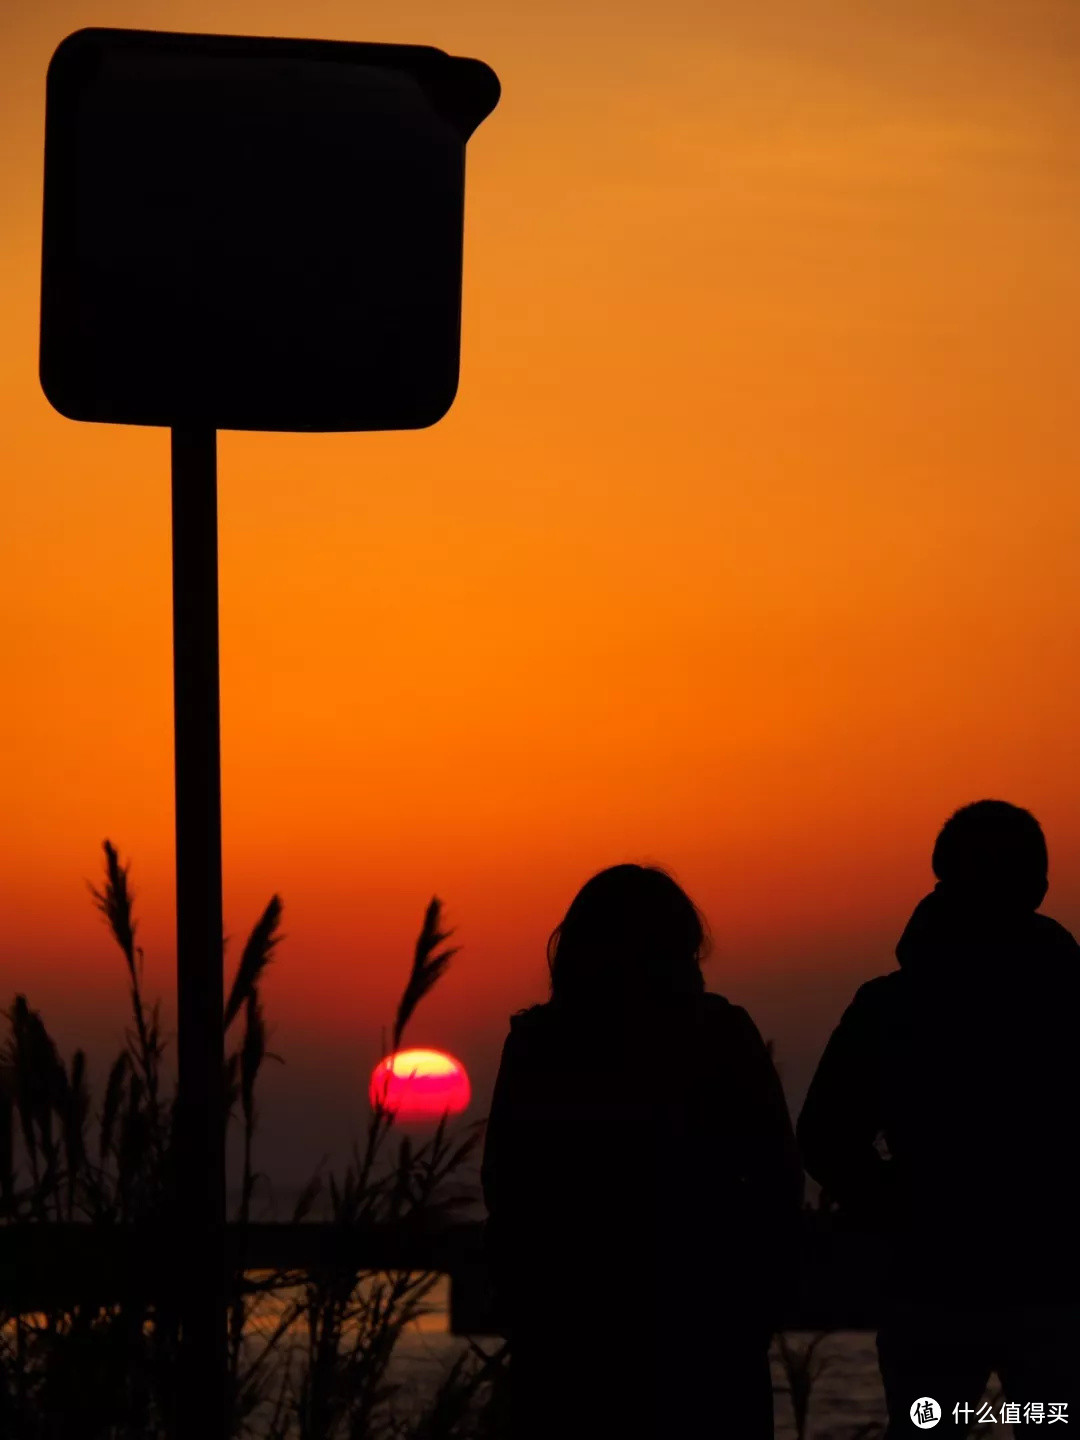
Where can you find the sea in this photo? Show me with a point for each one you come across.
(846, 1400)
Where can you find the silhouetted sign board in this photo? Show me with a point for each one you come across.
(254, 234)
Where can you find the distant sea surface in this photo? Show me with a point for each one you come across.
(846, 1401)
(846, 1398)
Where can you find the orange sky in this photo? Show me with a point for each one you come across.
(748, 546)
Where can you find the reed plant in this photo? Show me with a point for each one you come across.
(310, 1354)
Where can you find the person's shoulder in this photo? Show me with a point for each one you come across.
(877, 999)
(718, 1009)
(1054, 964)
(714, 1004)
(1054, 937)
(875, 1005)
(720, 1013)
(533, 1017)
(880, 990)
(528, 1037)
(531, 1023)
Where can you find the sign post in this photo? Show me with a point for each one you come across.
(242, 233)
(199, 1127)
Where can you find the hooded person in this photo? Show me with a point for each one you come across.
(944, 1112)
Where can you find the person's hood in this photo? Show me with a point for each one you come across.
(947, 935)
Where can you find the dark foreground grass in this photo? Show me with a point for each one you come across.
(309, 1353)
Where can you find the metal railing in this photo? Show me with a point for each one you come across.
(52, 1265)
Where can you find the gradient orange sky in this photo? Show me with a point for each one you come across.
(749, 545)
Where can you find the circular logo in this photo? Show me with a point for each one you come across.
(925, 1413)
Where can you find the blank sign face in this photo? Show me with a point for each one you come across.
(254, 234)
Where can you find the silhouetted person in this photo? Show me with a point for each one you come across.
(962, 1067)
(642, 1182)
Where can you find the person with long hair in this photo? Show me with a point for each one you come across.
(642, 1183)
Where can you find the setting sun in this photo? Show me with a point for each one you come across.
(420, 1085)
